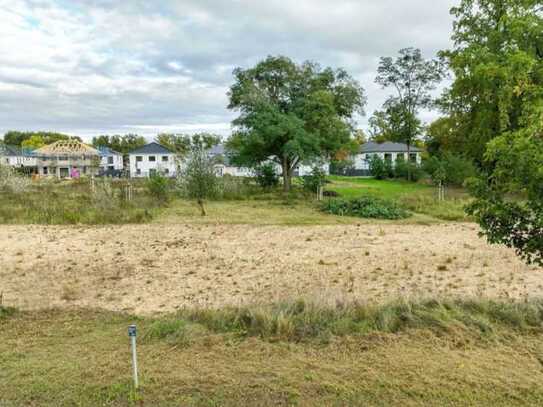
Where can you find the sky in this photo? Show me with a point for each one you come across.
(138, 66)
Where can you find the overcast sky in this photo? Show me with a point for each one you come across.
(112, 66)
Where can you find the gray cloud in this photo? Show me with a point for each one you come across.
(103, 66)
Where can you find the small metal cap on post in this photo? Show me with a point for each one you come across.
(132, 335)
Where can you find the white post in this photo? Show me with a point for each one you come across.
(132, 335)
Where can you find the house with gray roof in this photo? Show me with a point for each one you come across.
(111, 161)
(152, 158)
(388, 151)
(223, 164)
(17, 157)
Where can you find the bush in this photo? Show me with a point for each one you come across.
(266, 176)
(449, 168)
(365, 207)
(158, 187)
(316, 179)
(378, 168)
(403, 168)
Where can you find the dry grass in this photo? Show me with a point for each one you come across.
(65, 358)
(159, 268)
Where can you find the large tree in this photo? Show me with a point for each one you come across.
(496, 100)
(292, 113)
(413, 79)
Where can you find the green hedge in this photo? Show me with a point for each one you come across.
(365, 207)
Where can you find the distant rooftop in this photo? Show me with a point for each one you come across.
(386, 147)
(67, 147)
(152, 148)
(105, 151)
(15, 151)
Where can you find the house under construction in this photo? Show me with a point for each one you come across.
(67, 159)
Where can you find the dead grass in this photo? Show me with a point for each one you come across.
(65, 358)
(160, 268)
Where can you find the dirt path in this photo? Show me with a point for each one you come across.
(154, 268)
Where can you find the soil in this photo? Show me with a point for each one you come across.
(145, 269)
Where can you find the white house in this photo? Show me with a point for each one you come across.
(223, 165)
(388, 151)
(110, 160)
(17, 157)
(151, 159)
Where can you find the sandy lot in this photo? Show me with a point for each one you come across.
(157, 268)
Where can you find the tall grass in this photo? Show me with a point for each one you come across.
(301, 321)
(50, 203)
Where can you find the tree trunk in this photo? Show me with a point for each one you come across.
(286, 175)
(408, 161)
(201, 205)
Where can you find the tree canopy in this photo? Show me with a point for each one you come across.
(182, 144)
(496, 103)
(122, 144)
(292, 113)
(35, 139)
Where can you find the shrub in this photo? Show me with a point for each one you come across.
(315, 180)
(198, 180)
(377, 167)
(449, 168)
(266, 176)
(158, 187)
(365, 207)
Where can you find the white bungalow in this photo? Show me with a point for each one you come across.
(223, 165)
(152, 158)
(388, 151)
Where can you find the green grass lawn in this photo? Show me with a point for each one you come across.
(432, 355)
(416, 197)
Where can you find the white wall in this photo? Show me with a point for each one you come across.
(117, 162)
(18, 161)
(168, 168)
(361, 161)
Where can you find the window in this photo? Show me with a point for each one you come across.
(164, 158)
(138, 172)
(400, 157)
(45, 171)
(139, 158)
(152, 172)
(388, 157)
(152, 158)
(110, 160)
(413, 157)
(166, 171)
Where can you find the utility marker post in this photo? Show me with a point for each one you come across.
(132, 335)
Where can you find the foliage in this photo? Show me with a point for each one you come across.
(450, 169)
(342, 167)
(266, 175)
(198, 179)
(377, 167)
(183, 143)
(315, 180)
(365, 207)
(292, 113)
(517, 223)
(497, 62)
(158, 187)
(442, 137)
(496, 100)
(40, 138)
(408, 170)
(122, 144)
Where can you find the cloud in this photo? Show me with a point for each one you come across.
(107, 66)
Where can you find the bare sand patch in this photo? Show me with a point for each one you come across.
(160, 268)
